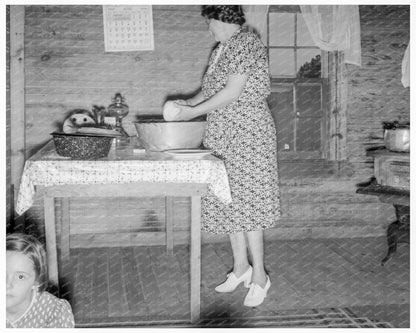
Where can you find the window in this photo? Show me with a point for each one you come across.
(299, 92)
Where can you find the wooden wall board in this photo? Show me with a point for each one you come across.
(356, 210)
(9, 206)
(66, 68)
(17, 95)
(375, 91)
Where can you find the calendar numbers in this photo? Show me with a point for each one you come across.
(128, 28)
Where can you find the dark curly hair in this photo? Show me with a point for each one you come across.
(227, 14)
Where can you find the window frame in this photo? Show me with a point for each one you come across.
(295, 47)
(333, 103)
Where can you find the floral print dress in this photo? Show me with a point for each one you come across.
(45, 311)
(243, 135)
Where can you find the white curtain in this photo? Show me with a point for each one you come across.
(406, 67)
(256, 19)
(335, 28)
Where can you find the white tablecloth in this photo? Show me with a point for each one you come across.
(46, 168)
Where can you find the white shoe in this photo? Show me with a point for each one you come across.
(232, 281)
(256, 294)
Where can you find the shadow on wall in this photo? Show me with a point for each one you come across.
(24, 224)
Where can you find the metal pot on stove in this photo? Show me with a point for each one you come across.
(397, 139)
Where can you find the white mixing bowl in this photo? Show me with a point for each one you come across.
(159, 135)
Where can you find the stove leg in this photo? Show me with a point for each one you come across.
(391, 241)
(402, 215)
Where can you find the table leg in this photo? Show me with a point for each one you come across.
(65, 269)
(195, 258)
(65, 230)
(50, 234)
(169, 224)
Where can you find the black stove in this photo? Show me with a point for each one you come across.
(391, 184)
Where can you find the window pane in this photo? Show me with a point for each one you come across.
(309, 63)
(282, 29)
(282, 62)
(281, 106)
(309, 112)
(308, 100)
(308, 134)
(304, 37)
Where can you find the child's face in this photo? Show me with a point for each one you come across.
(20, 281)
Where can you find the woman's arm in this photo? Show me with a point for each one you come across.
(225, 96)
(198, 98)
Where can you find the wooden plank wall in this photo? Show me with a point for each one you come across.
(375, 91)
(9, 196)
(17, 94)
(66, 68)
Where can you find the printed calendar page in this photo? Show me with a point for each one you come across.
(128, 28)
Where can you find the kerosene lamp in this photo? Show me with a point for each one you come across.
(118, 110)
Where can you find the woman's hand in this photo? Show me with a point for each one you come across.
(185, 112)
(177, 110)
(181, 102)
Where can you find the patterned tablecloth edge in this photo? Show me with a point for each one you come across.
(52, 173)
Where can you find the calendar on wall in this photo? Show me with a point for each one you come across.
(128, 28)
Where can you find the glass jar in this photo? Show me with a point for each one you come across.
(116, 112)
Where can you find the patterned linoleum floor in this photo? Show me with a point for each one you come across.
(315, 283)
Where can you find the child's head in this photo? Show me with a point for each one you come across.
(26, 267)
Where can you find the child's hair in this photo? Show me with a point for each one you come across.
(34, 250)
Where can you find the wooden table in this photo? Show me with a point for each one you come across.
(64, 192)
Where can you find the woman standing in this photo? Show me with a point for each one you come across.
(240, 131)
